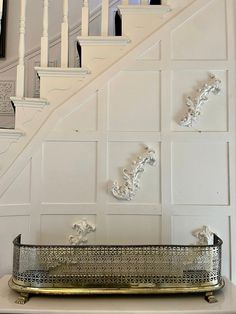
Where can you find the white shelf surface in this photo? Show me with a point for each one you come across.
(159, 304)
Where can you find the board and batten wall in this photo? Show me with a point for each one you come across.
(193, 184)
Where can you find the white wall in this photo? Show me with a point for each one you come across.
(93, 138)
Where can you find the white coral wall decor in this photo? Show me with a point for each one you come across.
(131, 176)
(82, 228)
(195, 105)
(204, 235)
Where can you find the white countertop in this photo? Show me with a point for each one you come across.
(158, 304)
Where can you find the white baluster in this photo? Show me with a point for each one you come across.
(125, 2)
(64, 36)
(20, 75)
(85, 18)
(44, 38)
(105, 12)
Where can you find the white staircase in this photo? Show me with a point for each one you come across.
(57, 85)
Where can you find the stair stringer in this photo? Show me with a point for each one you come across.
(16, 157)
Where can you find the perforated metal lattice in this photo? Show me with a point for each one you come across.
(117, 266)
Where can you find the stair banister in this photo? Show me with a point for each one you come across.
(44, 38)
(20, 74)
(64, 36)
(105, 16)
(85, 18)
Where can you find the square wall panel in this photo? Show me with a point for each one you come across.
(152, 53)
(200, 173)
(19, 191)
(69, 172)
(82, 118)
(121, 155)
(184, 226)
(134, 101)
(133, 229)
(202, 36)
(214, 116)
(56, 229)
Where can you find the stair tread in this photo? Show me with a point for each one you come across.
(103, 40)
(11, 133)
(144, 9)
(53, 71)
(29, 102)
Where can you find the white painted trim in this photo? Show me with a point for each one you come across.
(103, 40)
(61, 72)
(11, 134)
(29, 102)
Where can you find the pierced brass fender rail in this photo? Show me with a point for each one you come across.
(116, 269)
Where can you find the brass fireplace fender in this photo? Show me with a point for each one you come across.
(25, 292)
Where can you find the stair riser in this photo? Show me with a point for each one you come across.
(25, 116)
(59, 89)
(138, 26)
(102, 56)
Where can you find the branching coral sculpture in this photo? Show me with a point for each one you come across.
(204, 236)
(82, 228)
(195, 105)
(128, 189)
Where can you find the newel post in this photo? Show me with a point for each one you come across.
(65, 36)
(44, 38)
(105, 16)
(20, 74)
(85, 18)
